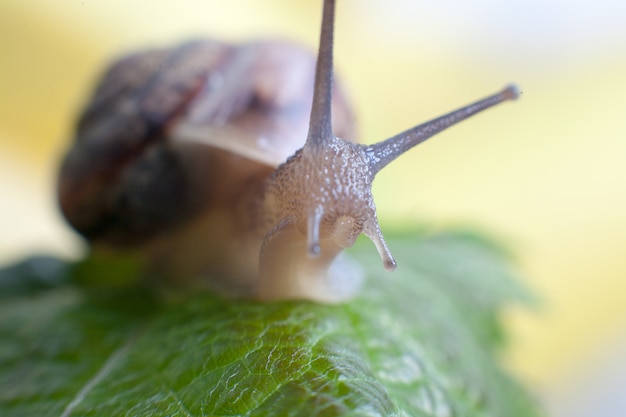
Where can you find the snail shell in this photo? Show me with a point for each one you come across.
(175, 144)
(178, 155)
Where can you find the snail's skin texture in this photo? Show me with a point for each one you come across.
(320, 200)
(184, 162)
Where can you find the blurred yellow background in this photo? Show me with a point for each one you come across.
(546, 175)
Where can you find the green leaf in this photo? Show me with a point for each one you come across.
(417, 342)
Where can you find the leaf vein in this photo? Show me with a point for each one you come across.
(99, 376)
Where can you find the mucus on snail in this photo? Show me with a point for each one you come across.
(180, 155)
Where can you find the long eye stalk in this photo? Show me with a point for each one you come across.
(320, 124)
(382, 153)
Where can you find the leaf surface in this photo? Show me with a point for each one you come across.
(417, 342)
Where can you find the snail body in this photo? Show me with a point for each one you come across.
(173, 150)
(180, 154)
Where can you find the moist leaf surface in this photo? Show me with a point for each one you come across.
(420, 341)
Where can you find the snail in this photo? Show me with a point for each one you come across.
(203, 159)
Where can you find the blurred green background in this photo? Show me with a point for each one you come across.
(546, 175)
